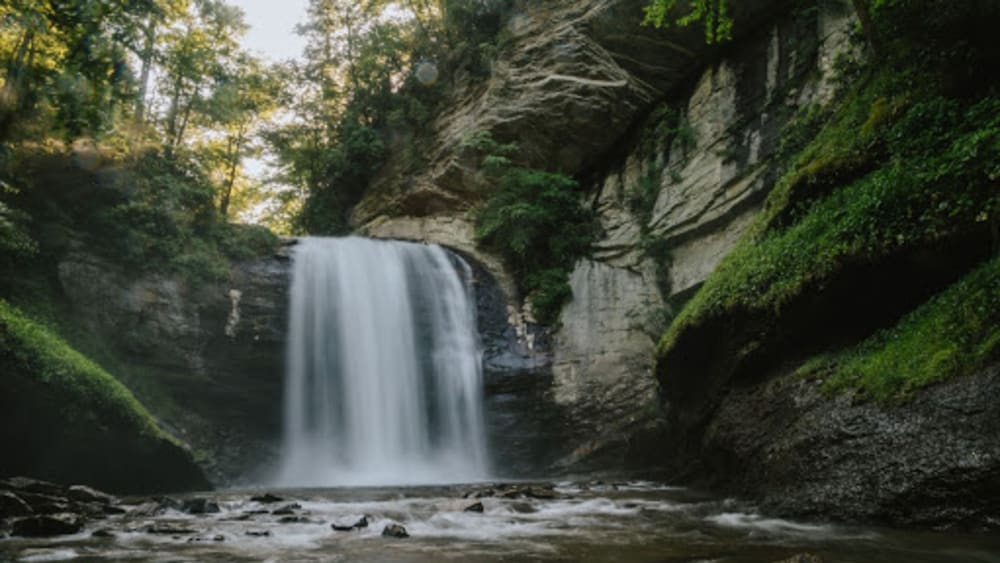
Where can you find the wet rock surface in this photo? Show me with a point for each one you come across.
(394, 531)
(914, 463)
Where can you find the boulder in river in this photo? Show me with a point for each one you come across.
(83, 493)
(394, 531)
(46, 525)
(199, 506)
(476, 507)
(266, 498)
(13, 505)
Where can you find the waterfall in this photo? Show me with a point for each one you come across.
(383, 380)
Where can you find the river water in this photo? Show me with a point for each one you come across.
(633, 521)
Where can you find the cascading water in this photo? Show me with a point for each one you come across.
(384, 376)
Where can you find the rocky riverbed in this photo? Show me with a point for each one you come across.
(564, 521)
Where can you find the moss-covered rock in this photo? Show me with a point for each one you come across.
(65, 419)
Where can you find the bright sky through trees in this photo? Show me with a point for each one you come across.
(272, 27)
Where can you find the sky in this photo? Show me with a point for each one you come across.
(272, 27)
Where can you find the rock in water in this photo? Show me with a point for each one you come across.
(46, 526)
(477, 507)
(266, 498)
(362, 523)
(394, 531)
(13, 505)
(83, 493)
(199, 506)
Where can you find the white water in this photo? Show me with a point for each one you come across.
(383, 380)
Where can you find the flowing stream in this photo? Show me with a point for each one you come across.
(384, 377)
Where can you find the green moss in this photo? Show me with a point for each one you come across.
(36, 353)
(64, 419)
(917, 176)
(955, 333)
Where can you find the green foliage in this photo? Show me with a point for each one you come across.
(923, 168)
(714, 14)
(15, 242)
(955, 333)
(92, 397)
(536, 222)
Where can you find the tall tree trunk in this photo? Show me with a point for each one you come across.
(147, 64)
(867, 27)
(186, 118)
(234, 161)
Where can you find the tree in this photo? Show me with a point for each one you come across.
(719, 23)
(713, 13)
(196, 57)
(245, 97)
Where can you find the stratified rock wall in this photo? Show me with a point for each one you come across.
(711, 173)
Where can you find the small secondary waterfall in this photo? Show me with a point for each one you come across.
(384, 376)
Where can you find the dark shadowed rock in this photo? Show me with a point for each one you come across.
(258, 533)
(83, 493)
(199, 506)
(287, 509)
(169, 530)
(394, 531)
(362, 523)
(29, 485)
(476, 507)
(13, 505)
(266, 498)
(47, 526)
(103, 533)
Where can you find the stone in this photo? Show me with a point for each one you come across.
(476, 507)
(294, 520)
(46, 526)
(168, 530)
(287, 509)
(258, 533)
(103, 533)
(13, 505)
(29, 485)
(394, 531)
(83, 493)
(523, 508)
(267, 498)
(199, 506)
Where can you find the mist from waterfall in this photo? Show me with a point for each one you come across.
(383, 380)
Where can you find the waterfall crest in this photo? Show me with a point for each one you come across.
(383, 380)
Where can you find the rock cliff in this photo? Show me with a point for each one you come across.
(206, 358)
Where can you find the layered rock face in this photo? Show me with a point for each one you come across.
(709, 175)
(207, 359)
